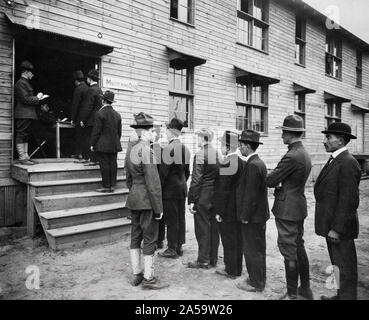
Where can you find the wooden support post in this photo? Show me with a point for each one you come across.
(31, 212)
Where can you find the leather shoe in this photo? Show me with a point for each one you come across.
(288, 296)
(329, 298)
(305, 293)
(169, 253)
(245, 286)
(224, 273)
(153, 284)
(179, 251)
(160, 245)
(137, 280)
(103, 190)
(198, 265)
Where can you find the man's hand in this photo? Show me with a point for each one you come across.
(82, 124)
(333, 236)
(245, 222)
(192, 208)
(40, 95)
(158, 216)
(219, 218)
(72, 123)
(92, 149)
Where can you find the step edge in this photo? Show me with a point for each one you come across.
(41, 184)
(80, 195)
(95, 227)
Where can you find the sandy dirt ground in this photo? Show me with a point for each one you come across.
(103, 272)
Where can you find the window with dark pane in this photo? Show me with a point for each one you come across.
(333, 56)
(182, 10)
(300, 42)
(252, 23)
(359, 69)
(333, 112)
(300, 108)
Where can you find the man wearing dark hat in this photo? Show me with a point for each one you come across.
(144, 201)
(290, 207)
(90, 105)
(78, 98)
(105, 141)
(205, 171)
(337, 200)
(174, 173)
(224, 201)
(253, 212)
(25, 110)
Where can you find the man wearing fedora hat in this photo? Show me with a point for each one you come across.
(337, 200)
(25, 110)
(174, 173)
(224, 201)
(253, 211)
(205, 171)
(79, 94)
(90, 105)
(290, 207)
(144, 201)
(105, 141)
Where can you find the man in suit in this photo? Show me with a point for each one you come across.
(90, 105)
(105, 141)
(337, 201)
(224, 201)
(253, 212)
(205, 171)
(79, 95)
(144, 201)
(25, 111)
(174, 173)
(290, 207)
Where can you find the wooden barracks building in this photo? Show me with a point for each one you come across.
(223, 64)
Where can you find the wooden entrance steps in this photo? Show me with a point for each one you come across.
(71, 212)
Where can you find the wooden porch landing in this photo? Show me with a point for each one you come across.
(61, 195)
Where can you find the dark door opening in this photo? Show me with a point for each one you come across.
(53, 76)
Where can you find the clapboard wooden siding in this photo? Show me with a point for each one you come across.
(142, 29)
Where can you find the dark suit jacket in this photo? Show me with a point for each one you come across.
(205, 171)
(226, 184)
(90, 105)
(143, 179)
(292, 172)
(175, 170)
(252, 192)
(79, 95)
(107, 131)
(337, 198)
(26, 102)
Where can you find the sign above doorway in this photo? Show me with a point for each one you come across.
(120, 84)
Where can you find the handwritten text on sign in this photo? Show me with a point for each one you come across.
(120, 84)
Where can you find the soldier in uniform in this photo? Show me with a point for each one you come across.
(337, 200)
(145, 202)
(25, 110)
(224, 201)
(200, 197)
(253, 212)
(174, 173)
(105, 141)
(290, 207)
(79, 95)
(91, 104)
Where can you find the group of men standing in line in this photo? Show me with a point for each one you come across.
(228, 197)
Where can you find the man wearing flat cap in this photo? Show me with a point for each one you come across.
(79, 95)
(205, 171)
(224, 201)
(337, 200)
(144, 201)
(253, 211)
(105, 141)
(174, 173)
(25, 110)
(90, 105)
(290, 208)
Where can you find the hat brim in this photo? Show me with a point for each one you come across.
(341, 133)
(112, 101)
(136, 126)
(292, 129)
(250, 141)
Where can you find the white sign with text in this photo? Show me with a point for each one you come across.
(120, 84)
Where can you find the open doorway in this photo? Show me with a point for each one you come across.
(54, 69)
